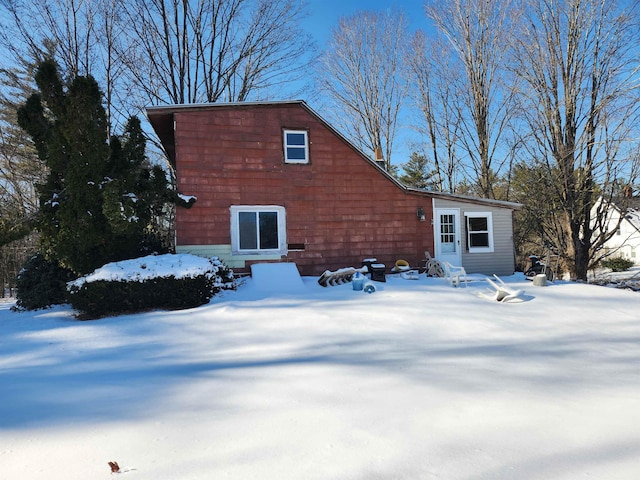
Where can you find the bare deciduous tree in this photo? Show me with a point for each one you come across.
(477, 32)
(165, 51)
(578, 62)
(67, 25)
(208, 51)
(361, 72)
(20, 168)
(434, 95)
(78, 34)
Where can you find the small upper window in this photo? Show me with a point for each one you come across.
(479, 232)
(296, 146)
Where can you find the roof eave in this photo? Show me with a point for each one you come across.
(469, 199)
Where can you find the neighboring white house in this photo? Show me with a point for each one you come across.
(626, 240)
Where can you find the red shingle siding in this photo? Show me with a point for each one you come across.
(339, 206)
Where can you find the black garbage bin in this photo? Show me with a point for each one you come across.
(367, 262)
(377, 272)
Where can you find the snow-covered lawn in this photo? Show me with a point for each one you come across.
(416, 381)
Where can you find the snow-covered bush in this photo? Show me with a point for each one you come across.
(170, 282)
(41, 284)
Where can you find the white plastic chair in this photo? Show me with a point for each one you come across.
(454, 274)
(502, 292)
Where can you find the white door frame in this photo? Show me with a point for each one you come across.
(449, 219)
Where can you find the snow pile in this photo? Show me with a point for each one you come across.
(152, 266)
(277, 277)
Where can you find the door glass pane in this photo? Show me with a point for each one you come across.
(268, 230)
(447, 234)
(248, 231)
(448, 248)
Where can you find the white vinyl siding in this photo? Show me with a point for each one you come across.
(501, 260)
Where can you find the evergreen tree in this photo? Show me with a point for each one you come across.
(416, 172)
(135, 192)
(99, 195)
(537, 224)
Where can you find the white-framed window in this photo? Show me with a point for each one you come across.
(296, 146)
(258, 229)
(479, 232)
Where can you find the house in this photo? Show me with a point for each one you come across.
(276, 182)
(623, 217)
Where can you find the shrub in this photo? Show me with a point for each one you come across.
(169, 282)
(101, 298)
(41, 283)
(617, 264)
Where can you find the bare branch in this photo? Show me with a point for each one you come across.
(477, 33)
(361, 72)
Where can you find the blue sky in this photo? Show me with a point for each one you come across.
(324, 14)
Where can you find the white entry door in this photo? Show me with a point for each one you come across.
(447, 235)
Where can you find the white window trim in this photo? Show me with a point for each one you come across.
(306, 146)
(235, 229)
(489, 217)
